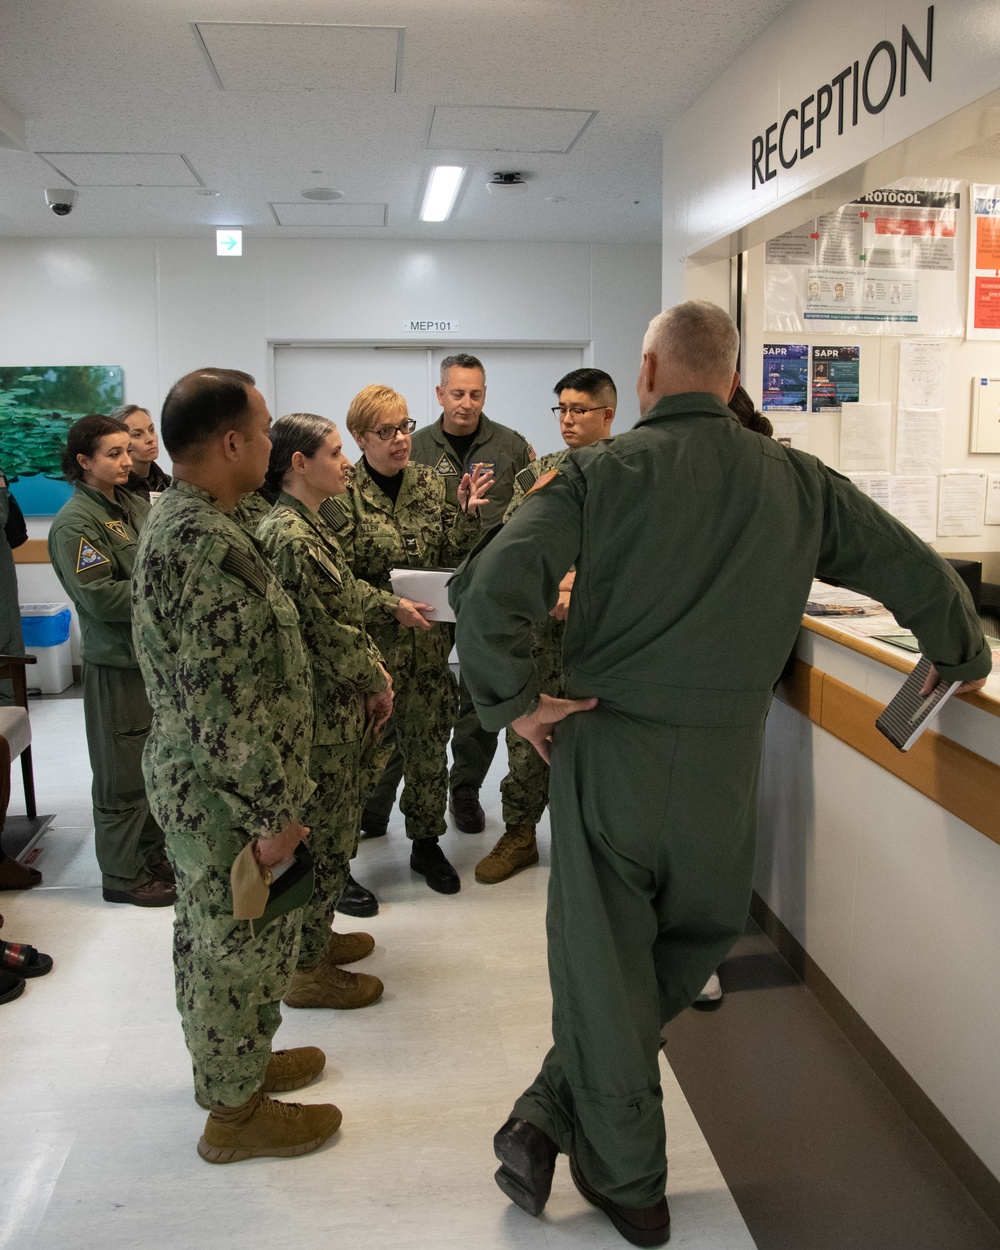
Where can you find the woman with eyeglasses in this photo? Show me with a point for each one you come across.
(395, 514)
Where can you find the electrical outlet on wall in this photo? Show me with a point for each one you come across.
(985, 433)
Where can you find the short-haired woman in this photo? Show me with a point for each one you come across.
(92, 545)
(352, 694)
(395, 514)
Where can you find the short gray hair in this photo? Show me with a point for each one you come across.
(697, 337)
(462, 361)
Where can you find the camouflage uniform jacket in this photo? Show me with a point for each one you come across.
(226, 672)
(312, 569)
(524, 480)
(418, 531)
(92, 546)
(495, 447)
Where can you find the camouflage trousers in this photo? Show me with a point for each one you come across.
(229, 983)
(333, 815)
(424, 711)
(525, 789)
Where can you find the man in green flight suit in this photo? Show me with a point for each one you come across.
(671, 527)
(227, 762)
(462, 437)
(586, 408)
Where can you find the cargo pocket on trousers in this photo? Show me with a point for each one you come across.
(126, 766)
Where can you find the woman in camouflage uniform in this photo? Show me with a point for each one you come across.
(352, 694)
(395, 514)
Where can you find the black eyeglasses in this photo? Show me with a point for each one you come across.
(561, 412)
(388, 432)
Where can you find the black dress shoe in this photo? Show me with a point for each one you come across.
(357, 901)
(464, 805)
(373, 826)
(642, 1226)
(527, 1161)
(429, 860)
(163, 871)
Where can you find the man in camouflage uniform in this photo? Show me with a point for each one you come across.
(347, 667)
(586, 408)
(462, 437)
(417, 529)
(227, 762)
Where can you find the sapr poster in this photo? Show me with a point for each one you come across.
(984, 264)
(834, 377)
(786, 377)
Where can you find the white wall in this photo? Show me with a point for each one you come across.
(161, 307)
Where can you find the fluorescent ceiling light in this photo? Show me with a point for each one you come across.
(442, 189)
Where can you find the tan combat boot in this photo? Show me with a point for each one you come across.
(287, 1070)
(263, 1126)
(516, 849)
(348, 948)
(329, 986)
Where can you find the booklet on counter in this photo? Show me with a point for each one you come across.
(907, 716)
(425, 586)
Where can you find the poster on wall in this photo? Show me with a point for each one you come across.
(793, 434)
(883, 264)
(983, 315)
(835, 377)
(37, 407)
(786, 377)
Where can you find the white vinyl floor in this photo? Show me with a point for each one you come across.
(97, 1121)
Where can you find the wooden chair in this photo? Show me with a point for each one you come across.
(15, 726)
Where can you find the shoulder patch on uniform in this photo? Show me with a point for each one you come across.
(525, 478)
(117, 527)
(445, 467)
(543, 481)
(531, 453)
(244, 567)
(88, 557)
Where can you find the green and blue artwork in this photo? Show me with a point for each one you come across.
(37, 407)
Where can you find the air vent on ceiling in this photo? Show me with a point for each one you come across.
(490, 128)
(305, 214)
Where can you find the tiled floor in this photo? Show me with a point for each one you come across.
(98, 1125)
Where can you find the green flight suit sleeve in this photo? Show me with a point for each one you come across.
(81, 561)
(314, 584)
(868, 550)
(508, 582)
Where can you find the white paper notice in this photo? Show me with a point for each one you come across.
(874, 485)
(919, 441)
(962, 504)
(993, 500)
(923, 371)
(425, 586)
(792, 434)
(913, 500)
(865, 437)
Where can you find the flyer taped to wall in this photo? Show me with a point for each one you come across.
(786, 377)
(983, 318)
(835, 377)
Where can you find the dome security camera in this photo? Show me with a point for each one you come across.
(60, 200)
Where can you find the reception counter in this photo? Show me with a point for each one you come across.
(878, 874)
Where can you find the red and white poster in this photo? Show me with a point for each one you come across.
(984, 264)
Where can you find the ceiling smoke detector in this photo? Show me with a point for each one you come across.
(506, 184)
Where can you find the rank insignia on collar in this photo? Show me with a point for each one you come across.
(410, 544)
(117, 527)
(89, 557)
(445, 467)
(543, 481)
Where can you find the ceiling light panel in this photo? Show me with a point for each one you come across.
(124, 169)
(442, 191)
(287, 56)
(489, 128)
(299, 214)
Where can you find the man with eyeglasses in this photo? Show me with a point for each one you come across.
(587, 402)
(462, 437)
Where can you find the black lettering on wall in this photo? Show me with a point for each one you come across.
(822, 113)
(882, 46)
(769, 150)
(756, 156)
(804, 123)
(838, 82)
(785, 162)
(923, 59)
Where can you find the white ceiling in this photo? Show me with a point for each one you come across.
(149, 105)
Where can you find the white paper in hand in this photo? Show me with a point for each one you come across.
(425, 586)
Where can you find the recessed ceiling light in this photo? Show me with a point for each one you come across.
(323, 194)
(442, 188)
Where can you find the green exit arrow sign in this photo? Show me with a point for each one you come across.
(229, 242)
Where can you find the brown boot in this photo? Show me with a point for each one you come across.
(288, 1069)
(329, 986)
(263, 1126)
(348, 948)
(516, 849)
